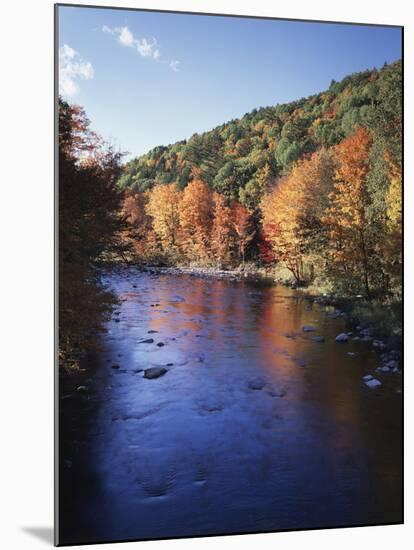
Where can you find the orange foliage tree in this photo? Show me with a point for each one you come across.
(351, 237)
(140, 232)
(195, 219)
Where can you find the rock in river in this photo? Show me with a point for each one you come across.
(373, 383)
(343, 337)
(384, 368)
(147, 341)
(378, 344)
(318, 338)
(308, 328)
(154, 372)
(257, 384)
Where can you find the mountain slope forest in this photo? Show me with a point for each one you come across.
(312, 187)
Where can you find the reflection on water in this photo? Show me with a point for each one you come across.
(254, 427)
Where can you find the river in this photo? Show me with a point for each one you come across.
(254, 427)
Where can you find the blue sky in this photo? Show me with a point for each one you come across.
(148, 79)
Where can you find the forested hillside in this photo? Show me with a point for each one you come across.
(241, 156)
(313, 187)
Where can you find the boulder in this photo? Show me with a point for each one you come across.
(343, 337)
(373, 383)
(154, 372)
(384, 368)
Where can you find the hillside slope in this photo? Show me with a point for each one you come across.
(240, 157)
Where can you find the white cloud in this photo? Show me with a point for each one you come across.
(174, 65)
(147, 48)
(71, 68)
(126, 37)
(144, 46)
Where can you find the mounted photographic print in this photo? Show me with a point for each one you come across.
(229, 274)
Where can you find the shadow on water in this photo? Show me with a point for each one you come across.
(255, 426)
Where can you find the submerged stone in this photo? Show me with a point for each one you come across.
(154, 372)
(343, 337)
(308, 328)
(257, 384)
(373, 383)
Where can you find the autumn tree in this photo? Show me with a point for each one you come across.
(393, 234)
(280, 210)
(241, 222)
(195, 219)
(90, 229)
(222, 231)
(351, 237)
(163, 207)
(293, 211)
(139, 231)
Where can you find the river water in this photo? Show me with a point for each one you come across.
(254, 427)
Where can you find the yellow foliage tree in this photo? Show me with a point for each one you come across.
(292, 212)
(163, 207)
(221, 232)
(243, 229)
